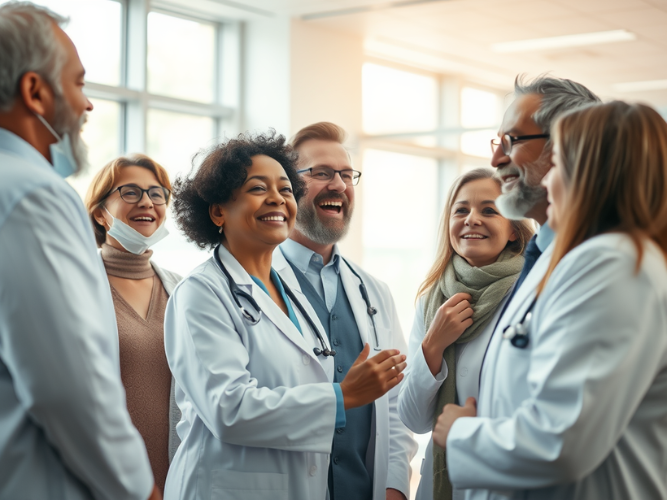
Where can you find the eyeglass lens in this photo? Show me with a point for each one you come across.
(505, 142)
(132, 194)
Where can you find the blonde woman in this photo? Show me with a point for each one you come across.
(127, 204)
(576, 410)
(479, 259)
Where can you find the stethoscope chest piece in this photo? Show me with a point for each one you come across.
(518, 334)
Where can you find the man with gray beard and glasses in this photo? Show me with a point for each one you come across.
(65, 432)
(370, 455)
(522, 154)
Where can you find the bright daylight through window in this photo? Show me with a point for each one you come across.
(164, 100)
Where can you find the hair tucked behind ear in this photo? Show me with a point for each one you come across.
(615, 168)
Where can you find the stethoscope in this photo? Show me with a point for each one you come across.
(518, 333)
(251, 319)
(370, 310)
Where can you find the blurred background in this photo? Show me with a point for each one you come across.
(420, 86)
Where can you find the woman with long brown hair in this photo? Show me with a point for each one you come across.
(573, 394)
(479, 259)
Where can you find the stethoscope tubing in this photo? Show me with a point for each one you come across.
(253, 320)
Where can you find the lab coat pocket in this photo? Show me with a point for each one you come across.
(234, 485)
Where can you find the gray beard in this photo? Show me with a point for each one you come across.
(310, 225)
(515, 204)
(67, 122)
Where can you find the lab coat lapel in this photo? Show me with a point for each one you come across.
(282, 267)
(351, 286)
(514, 312)
(270, 310)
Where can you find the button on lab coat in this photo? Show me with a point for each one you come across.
(581, 413)
(258, 406)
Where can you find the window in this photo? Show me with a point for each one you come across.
(156, 82)
(181, 57)
(398, 101)
(479, 108)
(398, 245)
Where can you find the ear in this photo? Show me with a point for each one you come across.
(98, 215)
(36, 93)
(513, 237)
(215, 211)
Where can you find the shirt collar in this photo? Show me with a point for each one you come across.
(13, 144)
(302, 257)
(544, 237)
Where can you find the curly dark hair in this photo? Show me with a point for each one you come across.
(224, 169)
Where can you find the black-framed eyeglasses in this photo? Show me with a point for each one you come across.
(325, 174)
(507, 141)
(132, 194)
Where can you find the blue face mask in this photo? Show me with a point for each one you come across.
(62, 156)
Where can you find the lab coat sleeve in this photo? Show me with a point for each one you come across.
(402, 446)
(419, 389)
(59, 342)
(210, 364)
(598, 334)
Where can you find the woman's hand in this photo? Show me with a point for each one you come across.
(450, 413)
(369, 379)
(449, 323)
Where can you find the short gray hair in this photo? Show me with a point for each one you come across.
(28, 43)
(558, 96)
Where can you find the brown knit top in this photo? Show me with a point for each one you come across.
(143, 363)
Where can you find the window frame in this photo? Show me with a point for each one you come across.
(132, 94)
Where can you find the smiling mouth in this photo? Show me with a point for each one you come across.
(331, 206)
(473, 237)
(273, 218)
(143, 219)
(509, 178)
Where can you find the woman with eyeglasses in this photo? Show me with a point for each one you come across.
(479, 259)
(127, 203)
(253, 366)
(577, 410)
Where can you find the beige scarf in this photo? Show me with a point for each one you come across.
(487, 286)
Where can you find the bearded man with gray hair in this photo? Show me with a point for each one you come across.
(65, 432)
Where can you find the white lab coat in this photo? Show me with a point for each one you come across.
(391, 441)
(419, 389)
(581, 413)
(258, 406)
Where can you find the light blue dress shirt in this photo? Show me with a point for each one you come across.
(65, 433)
(323, 278)
(544, 237)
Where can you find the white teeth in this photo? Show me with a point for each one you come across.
(281, 219)
(144, 218)
(473, 237)
(332, 204)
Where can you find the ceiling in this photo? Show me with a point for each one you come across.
(455, 36)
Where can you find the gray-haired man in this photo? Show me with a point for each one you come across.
(64, 428)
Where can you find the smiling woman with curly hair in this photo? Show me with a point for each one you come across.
(253, 371)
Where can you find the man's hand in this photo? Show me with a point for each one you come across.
(393, 494)
(369, 379)
(447, 418)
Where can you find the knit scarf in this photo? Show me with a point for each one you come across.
(487, 286)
